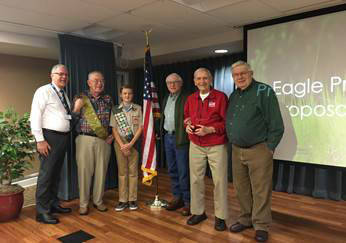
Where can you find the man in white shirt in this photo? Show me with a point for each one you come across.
(50, 124)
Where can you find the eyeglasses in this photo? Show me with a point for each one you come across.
(237, 75)
(172, 82)
(102, 81)
(61, 74)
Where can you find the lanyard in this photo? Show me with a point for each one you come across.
(62, 99)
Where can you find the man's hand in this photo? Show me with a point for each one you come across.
(43, 148)
(190, 128)
(109, 139)
(203, 130)
(78, 104)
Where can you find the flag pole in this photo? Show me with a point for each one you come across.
(156, 203)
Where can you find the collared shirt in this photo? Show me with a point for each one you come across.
(103, 108)
(48, 112)
(133, 115)
(254, 116)
(169, 124)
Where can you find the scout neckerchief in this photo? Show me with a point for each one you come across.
(92, 119)
(62, 98)
(123, 124)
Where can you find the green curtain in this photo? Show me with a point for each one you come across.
(82, 56)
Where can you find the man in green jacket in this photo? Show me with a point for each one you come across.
(254, 128)
(176, 144)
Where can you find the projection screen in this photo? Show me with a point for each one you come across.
(304, 61)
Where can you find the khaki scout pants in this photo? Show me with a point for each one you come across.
(127, 174)
(92, 156)
(216, 157)
(252, 180)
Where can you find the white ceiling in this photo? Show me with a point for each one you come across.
(181, 29)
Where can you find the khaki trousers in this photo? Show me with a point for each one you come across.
(216, 157)
(252, 170)
(127, 174)
(92, 156)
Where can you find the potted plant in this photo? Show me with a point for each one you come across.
(17, 147)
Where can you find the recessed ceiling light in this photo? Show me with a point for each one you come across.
(221, 51)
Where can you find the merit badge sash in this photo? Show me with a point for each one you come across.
(123, 124)
(93, 120)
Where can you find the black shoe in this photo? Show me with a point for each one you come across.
(133, 205)
(59, 209)
(121, 206)
(196, 219)
(220, 224)
(175, 204)
(261, 235)
(46, 218)
(238, 227)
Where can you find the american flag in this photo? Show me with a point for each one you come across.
(151, 111)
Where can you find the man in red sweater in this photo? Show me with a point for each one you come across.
(205, 113)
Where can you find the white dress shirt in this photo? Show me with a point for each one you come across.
(47, 111)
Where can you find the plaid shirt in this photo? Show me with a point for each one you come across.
(103, 108)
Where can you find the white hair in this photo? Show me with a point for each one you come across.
(241, 63)
(57, 66)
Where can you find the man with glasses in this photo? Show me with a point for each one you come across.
(50, 124)
(176, 144)
(205, 115)
(93, 144)
(254, 128)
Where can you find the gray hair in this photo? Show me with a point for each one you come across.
(57, 66)
(241, 63)
(175, 75)
(203, 70)
(94, 72)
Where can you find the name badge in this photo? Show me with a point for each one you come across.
(211, 103)
(68, 117)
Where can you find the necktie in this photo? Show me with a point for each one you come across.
(64, 102)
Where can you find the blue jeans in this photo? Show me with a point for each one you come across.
(178, 168)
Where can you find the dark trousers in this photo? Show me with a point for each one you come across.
(178, 168)
(50, 168)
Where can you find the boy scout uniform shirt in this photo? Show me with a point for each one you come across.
(134, 118)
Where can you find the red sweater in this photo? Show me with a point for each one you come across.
(211, 113)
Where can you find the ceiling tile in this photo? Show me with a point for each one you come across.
(284, 5)
(174, 15)
(122, 6)
(246, 12)
(206, 5)
(63, 8)
(26, 30)
(128, 23)
(314, 7)
(39, 20)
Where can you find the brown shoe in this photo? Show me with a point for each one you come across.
(175, 204)
(101, 207)
(83, 211)
(186, 211)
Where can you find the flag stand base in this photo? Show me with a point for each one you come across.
(157, 203)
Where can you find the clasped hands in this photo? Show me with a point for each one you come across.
(126, 149)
